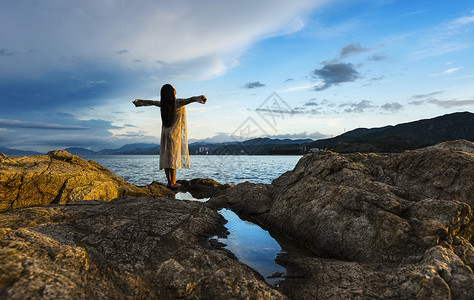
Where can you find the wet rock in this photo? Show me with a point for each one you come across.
(383, 225)
(201, 188)
(128, 248)
(60, 177)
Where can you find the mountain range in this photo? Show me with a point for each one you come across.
(406, 136)
(395, 138)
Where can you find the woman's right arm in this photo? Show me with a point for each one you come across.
(141, 102)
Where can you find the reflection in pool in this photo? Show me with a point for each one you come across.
(252, 245)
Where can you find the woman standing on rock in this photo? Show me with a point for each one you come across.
(174, 153)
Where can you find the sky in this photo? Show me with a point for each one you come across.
(69, 70)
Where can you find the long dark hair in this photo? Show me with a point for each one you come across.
(168, 105)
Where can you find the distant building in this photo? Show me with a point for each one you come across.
(301, 147)
(203, 149)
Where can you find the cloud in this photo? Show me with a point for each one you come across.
(448, 71)
(352, 49)
(94, 31)
(289, 80)
(446, 38)
(335, 74)
(42, 136)
(312, 102)
(347, 51)
(462, 21)
(377, 57)
(421, 96)
(276, 111)
(96, 53)
(6, 52)
(299, 88)
(5, 123)
(392, 107)
(417, 102)
(359, 107)
(255, 84)
(452, 103)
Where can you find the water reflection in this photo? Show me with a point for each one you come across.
(253, 246)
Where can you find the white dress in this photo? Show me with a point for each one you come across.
(174, 153)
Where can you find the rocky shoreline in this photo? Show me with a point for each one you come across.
(381, 227)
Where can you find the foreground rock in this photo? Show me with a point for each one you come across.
(60, 177)
(129, 248)
(393, 226)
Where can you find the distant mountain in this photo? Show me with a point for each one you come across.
(217, 139)
(79, 151)
(126, 149)
(137, 148)
(16, 152)
(404, 136)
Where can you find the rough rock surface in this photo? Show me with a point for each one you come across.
(201, 188)
(128, 248)
(394, 226)
(60, 177)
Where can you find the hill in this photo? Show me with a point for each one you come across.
(406, 136)
(16, 152)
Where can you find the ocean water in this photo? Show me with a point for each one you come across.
(250, 243)
(232, 169)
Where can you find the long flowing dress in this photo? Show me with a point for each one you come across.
(174, 153)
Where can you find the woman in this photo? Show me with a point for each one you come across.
(174, 151)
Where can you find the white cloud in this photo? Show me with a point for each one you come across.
(299, 88)
(445, 38)
(449, 71)
(57, 35)
(462, 21)
(445, 72)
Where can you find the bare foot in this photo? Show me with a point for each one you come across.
(176, 186)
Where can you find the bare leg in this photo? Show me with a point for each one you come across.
(171, 177)
(168, 176)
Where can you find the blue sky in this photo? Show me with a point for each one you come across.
(70, 69)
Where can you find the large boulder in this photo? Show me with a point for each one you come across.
(128, 248)
(60, 177)
(375, 222)
(201, 188)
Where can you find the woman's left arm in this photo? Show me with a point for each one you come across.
(201, 99)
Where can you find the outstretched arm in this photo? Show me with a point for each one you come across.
(201, 99)
(141, 102)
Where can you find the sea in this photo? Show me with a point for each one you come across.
(231, 169)
(251, 244)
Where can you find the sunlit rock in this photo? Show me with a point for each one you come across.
(60, 177)
(376, 222)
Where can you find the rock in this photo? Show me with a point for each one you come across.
(137, 248)
(201, 188)
(439, 275)
(458, 145)
(375, 221)
(60, 177)
(3, 155)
